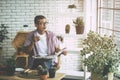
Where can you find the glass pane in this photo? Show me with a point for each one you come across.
(117, 20)
(107, 3)
(106, 18)
(117, 3)
(105, 32)
(117, 38)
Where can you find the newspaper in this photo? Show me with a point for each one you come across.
(49, 56)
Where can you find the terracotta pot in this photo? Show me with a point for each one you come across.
(2, 70)
(0, 54)
(10, 71)
(43, 77)
(95, 76)
(79, 29)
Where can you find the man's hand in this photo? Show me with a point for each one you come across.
(57, 49)
(64, 52)
(35, 39)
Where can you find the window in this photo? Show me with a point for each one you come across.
(109, 18)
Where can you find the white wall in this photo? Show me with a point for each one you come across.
(90, 7)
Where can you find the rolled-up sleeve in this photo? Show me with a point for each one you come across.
(56, 42)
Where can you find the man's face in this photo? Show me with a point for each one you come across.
(41, 26)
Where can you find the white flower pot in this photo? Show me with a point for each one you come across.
(110, 76)
(95, 76)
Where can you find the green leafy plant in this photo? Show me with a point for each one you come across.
(42, 70)
(104, 56)
(3, 33)
(79, 21)
(10, 65)
(10, 62)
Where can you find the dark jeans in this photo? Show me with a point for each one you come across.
(33, 63)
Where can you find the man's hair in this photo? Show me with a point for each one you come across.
(37, 18)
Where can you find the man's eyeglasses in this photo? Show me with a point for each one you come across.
(43, 23)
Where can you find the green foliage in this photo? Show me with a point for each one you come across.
(3, 32)
(10, 62)
(103, 54)
(42, 69)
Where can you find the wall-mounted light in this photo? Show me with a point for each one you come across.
(25, 25)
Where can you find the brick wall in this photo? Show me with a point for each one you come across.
(72, 61)
(16, 13)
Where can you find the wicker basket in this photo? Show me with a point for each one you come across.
(19, 39)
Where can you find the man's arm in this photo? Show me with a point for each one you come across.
(30, 46)
(62, 51)
(35, 39)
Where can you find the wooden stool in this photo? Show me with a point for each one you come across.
(21, 61)
(18, 42)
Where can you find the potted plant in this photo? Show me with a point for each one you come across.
(103, 58)
(79, 25)
(52, 71)
(42, 71)
(3, 36)
(2, 69)
(3, 33)
(10, 65)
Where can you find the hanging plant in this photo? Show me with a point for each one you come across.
(79, 25)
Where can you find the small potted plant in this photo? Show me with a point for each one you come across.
(79, 25)
(42, 71)
(10, 65)
(52, 71)
(2, 69)
(3, 36)
(103, 58)
(3, 33)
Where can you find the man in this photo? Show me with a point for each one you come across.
(41, 42)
